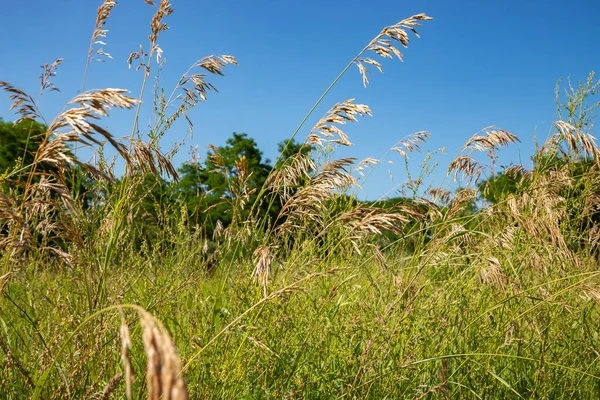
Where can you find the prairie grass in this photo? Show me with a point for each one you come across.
(428, 297)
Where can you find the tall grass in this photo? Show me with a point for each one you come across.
(424, 298)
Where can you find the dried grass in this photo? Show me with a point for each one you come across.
(411, 143)
(383, 43)
(262, 271)
(163, 370)
(466, 166)
(326, 131)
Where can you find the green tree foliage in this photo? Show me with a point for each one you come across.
(227, 184)
(18, 144)
(496, 188)
(289, 148)
(222, 169)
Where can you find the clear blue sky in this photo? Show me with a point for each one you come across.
(478, 63)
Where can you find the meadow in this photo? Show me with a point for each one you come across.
(288, 287)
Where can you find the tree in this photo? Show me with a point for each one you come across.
(222, 168)
(499, 186)
(19, 143)
(225, 186)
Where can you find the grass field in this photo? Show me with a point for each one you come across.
(438, 296)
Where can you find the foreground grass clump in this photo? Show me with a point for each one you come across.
(115, 288)
(356, 330)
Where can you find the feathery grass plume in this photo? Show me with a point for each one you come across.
(590, 292)
(194, 88)
(148, 159)
(467, 166)
(491, 141)
(97, 38)
(538, 213)
(4, 280)
(163, 377)
(491, 273)
(99, 32)
(364, 164)
(309, 203)
(340, 114)
(110, 388)
(262, 271)
(431, 211)
(125, 346)
(40, 218)
(462, 198)
(81, 129)
(363, 221)
(292, 175)
(157, 25)
(240, 188)
(411, 143)
(49, 72)
(439, 194)
(24, 104)
(458, 236)
(579, 144)
(383, 45)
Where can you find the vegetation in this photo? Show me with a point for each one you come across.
(235, 278)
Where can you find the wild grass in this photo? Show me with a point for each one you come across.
(428, 297)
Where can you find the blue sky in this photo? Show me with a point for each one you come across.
(478, 63)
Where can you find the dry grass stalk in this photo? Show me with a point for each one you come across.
(459, 236)
(579, 143)
(379, 256)
(365, 164)
(439, 194)
(383, 45)
(291, 176)
(98, 35)
(467, 167)
(325, 131)
(195, 88)
(163, 365)
(240, 187)
(411, 143)
(22, 102)
(491, 141)
(99, 32)
(462, 198)
(363, 221)
(49, 72)
(157, 25)
(91, 105)
(110, 387)
(4, 279)
(148, 159)
(491, 273)
(309, 204)
(590, 292)
(262, 271)
(125, 346)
